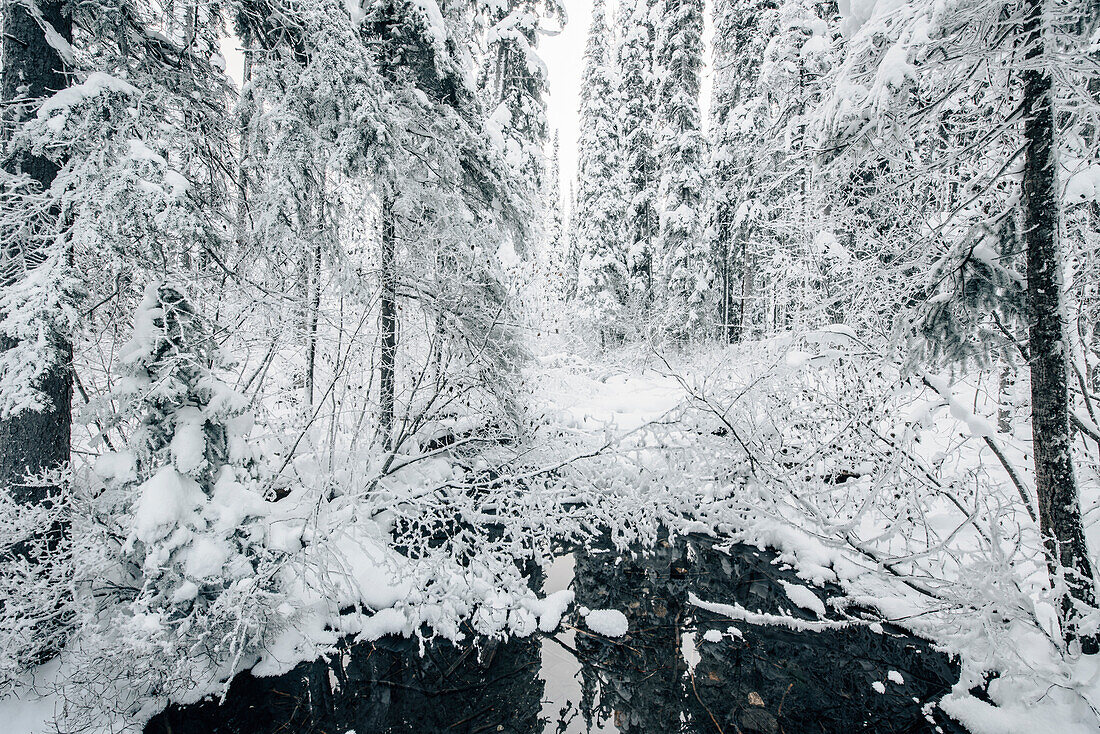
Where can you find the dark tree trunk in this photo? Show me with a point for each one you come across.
(1056, 485)
(314, 295)
(726, 299)
(388, 324)
(311, 327)
(31, 69)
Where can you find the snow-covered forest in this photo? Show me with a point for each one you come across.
(318, 370)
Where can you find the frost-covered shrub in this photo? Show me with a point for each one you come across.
(176, 549)
(36, 579)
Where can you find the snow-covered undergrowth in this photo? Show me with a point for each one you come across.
(906, 489)
(888, 485)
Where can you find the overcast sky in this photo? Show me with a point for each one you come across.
(564, 57)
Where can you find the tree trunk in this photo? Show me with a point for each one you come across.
(387, 324)
(318, 232)
(31, 69)
(311, 327)
(747, 286)
(1006, 381)
(1059, 504)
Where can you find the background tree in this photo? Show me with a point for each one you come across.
(514, 84)
(686, 270)
(638, 116)
(602, 276)
(742, 31)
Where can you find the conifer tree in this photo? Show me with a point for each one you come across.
(742, 31)
(571, 256)
(901, 60)
(457, 213)
(36, 312)
(556, 256)
(686, 270)
(186, 501)
(638, 115)
(602, 276)
(514, 83)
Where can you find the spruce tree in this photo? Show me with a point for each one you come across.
(1060, 519)
(557, 257)
(196, 572)
(514, 84)
(686, 270)
(902, 125)
(455, 214)
(638, 115)
(36, 312)
(741, 34)
(602, 276)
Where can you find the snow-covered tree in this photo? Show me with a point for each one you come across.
(742, 31)
(571, 256)
(796, 250)
(602, 277)
(960, 113)
(38, 314)
(638, 120)
(686, 269)
(456, 214)
(555, 260)
(192, 589)
(514, 84)
(36, 303)
(303, 88)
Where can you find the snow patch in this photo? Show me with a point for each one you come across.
(166, 500)
(607, 622)
(804, 598)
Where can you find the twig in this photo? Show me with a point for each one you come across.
(1013, 476)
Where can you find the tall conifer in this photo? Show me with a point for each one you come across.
(686, 268)
(602, 277)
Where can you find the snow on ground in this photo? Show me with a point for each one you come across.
(586, 398)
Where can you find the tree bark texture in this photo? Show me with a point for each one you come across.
(31, 69)
(388, 325)
(1056, 485)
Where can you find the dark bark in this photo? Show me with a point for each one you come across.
(314, 317)
(388, 324)
(31, 70)
(1056, 485)
(314, 294)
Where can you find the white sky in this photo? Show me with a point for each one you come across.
(564, 57)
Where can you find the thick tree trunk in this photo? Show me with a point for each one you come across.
(388, 325)
(1056, 485)
(31, 69)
